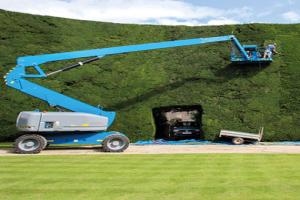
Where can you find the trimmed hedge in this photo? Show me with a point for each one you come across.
(233, 97)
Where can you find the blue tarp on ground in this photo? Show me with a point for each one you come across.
(283, 143)
(161, 141)
(203, 142)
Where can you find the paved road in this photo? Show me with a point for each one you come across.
(170, 149)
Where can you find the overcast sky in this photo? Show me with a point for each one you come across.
(166, 12)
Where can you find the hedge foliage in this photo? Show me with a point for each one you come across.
(233, 97)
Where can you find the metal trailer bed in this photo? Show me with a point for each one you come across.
(240, 137)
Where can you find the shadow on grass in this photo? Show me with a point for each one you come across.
(10, 149)
(72, 147)
(233, 71)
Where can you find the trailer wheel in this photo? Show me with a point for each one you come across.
(115, 143)
(237, 140)
(29, 144)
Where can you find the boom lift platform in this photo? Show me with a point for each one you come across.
(87, 124)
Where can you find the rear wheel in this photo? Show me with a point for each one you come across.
(29, 144)
(115, 143)
(238, 141)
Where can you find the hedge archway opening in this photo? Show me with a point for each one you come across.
(178, 122)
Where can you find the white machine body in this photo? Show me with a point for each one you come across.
(31, 121)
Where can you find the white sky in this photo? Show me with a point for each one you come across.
(164, 12)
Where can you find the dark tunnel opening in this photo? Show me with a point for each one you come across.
(178, 122)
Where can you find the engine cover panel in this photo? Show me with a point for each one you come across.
(60, 121)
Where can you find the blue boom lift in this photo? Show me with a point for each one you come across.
(87, 124)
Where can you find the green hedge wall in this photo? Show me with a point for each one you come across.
(233, 97)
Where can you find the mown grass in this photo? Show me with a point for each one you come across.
(205, 176)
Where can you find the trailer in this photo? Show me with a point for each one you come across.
(239, 138)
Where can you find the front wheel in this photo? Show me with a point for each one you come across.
(115, 143)
(29, 144)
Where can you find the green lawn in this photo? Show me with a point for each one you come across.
(204, 176)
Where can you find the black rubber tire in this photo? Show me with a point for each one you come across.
(238, 141)
(45, 142)
(106, 143)
(37, 138)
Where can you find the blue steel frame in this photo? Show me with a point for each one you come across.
(80, 138)
(16, 78)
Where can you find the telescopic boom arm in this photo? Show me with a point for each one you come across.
(16, 78)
